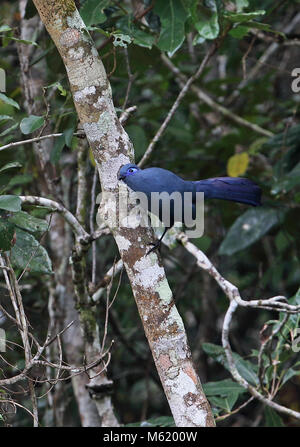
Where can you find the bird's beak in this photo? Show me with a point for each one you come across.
(120, 177)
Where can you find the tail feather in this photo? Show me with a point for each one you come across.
(235, 189)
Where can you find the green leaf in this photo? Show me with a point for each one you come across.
(26, 42)
(28, 252)
(31, 123)
(92, 11)
(225, 403)
(21, 179)
(6, 38)
(9, 101)
(289, 374)
(28, 222)
(142, 39)
(68, 134)
(223, 388)
(10, 203)
(264, 27)
(206, 20)
(272, 419)
(243, 17)
(5, 28)
(9, 130)
(172, 15)
(13, 164)
(239, 32)
(288, 182)
(59, 87)
(7, 231)
(244, 367)
(289, 138)
(249, 228)
(57, 149)
(139, 37)
(40, 211)
(6, 118)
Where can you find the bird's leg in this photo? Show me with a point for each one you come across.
(156, 245)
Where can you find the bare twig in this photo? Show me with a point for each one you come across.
(33, 140)
(178, 100)
(181, 79)
(116, 268)
(79, 231)
(263, 59)
(236, 410)
(92, 227)
(277, 303)
(130, 78)
(126, 113)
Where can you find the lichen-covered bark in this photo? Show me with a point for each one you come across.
(111, 149)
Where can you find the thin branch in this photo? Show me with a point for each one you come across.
(92, 227)
(79, 231)
(33, 140)
(143, 13)
(130, 78)
(263, 59)
(177, 102)
(236, 410)
(277, 303)
(114, 270)
(81, 204)
(126, 113)
(181, 79)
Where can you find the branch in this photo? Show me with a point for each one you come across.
(81, 234)
(263, 59)
(33, 140)
(181, 79)
(123, 118)
(177, 102)
(277, 303)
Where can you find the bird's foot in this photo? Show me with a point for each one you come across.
(155, 246)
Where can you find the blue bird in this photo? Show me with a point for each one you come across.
(147, 181)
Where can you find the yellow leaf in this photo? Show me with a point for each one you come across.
(237, 164)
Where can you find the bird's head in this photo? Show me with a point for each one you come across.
(127, 170)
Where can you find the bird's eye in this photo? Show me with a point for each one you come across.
(131, 170)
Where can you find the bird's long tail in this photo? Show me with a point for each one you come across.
(235, 189)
